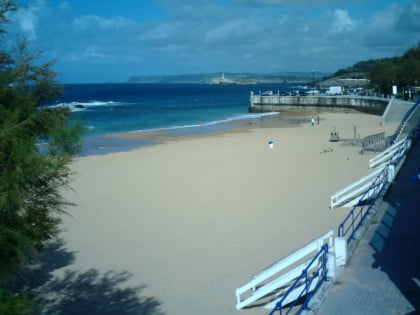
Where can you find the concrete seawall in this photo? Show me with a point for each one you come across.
(276, 103)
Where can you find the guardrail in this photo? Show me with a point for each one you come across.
(284, 272)
(356, 215)
(386, 173)
(305, 284)
(386, 161)
(348, 196)
(300, 273)
(404, 121)
(355, 96)
(276, 98)
(394, 151)
(372, 140)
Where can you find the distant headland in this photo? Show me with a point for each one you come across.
(230, 78)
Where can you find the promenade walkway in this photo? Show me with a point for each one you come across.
(412, 123)
(396, 110)
(383, 275)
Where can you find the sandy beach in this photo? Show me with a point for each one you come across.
(192, 219)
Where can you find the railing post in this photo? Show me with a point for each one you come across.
(340, 230)
(305, 304)
(391, 172)
(238, 296)
(326, 257)
(331, 264)
(340, 249)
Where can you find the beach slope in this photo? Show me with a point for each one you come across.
(193, 219)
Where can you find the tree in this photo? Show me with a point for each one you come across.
(403, 71)
(36, 147)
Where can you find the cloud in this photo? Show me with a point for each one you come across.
(381, 31)
(94, 22)
(292, 3)
(342, 22)
(64, 6)
(234, 30)
(27, 18)
(158, 33)
(409, 20)
(209, 36)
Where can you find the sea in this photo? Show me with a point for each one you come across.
(179, 109)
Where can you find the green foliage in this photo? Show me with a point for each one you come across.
(359, 69)
(31, 174)
(402, 71)
(11, 304)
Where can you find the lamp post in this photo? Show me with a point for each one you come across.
(313, 83)
(393, 89)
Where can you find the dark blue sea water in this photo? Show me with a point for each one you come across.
(115, 108)
(192, 108)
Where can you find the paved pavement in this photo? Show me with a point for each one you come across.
(383, 275)
(396, 110)
(412, 123)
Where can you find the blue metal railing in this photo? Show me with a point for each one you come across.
(375, 188)
(307, 278)
(357, 216)
(404, 121)
(369, 198)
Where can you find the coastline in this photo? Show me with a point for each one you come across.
(126, 141)
(195, 216)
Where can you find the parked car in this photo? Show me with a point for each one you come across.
(267, 93)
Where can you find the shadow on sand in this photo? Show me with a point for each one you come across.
(395, 241)
(88, 292)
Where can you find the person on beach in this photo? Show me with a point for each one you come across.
(317, 119)
(312, 120)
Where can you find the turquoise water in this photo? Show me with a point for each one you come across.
(115, 108)
(179, 108)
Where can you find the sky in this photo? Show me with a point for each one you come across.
(109, 41)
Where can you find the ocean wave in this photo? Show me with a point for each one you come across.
(79, 106)
(211, 123)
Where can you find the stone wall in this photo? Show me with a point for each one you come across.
(260, 104)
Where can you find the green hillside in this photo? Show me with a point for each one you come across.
(403, 71)
(229, 78)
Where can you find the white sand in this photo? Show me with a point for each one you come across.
(194, 219)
